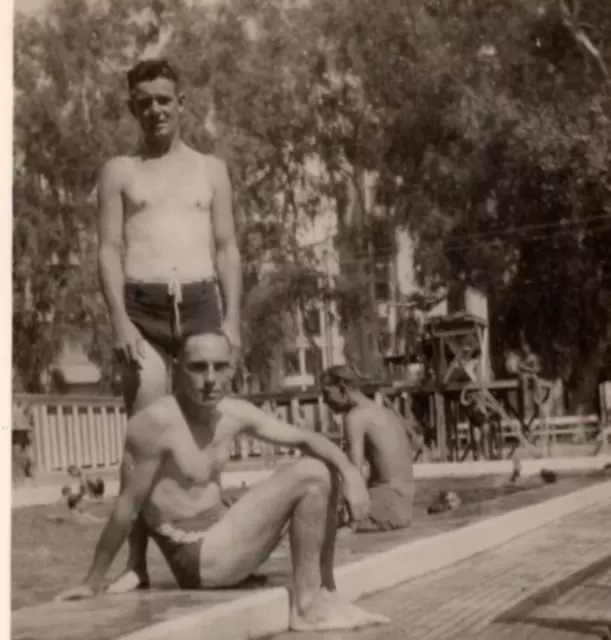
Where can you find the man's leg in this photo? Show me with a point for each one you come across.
(146, 380)
(327, 564)
(248, 533)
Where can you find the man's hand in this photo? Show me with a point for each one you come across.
(82, 592)
(129, 343)
(356, 495)
(130, 581)
(232, 330)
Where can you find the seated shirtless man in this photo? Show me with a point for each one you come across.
(175, 451)
(379, 436)
(165, 229)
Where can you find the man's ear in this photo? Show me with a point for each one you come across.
(181, 101)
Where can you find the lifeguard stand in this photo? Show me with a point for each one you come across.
(458, 330)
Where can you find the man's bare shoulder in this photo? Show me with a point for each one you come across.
(244, 413)
(149, 430)
(358, 418)
(118, 168)
(214, 167)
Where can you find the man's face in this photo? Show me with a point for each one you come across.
(157, 105)
(335, 398)
(207, 366)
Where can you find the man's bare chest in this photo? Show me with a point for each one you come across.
(176, 187)
(198, 456)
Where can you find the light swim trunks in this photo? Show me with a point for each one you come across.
(390, 508)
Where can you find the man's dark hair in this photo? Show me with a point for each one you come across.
(340, 374)
(218, 333)
(151, 69)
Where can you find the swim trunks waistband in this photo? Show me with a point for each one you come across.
(166, 284)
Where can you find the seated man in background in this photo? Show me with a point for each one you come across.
(379, 436)
(175, 451)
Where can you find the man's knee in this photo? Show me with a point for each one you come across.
(313, 474)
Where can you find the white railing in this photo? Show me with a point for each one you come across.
(89, 431)
(84, 431)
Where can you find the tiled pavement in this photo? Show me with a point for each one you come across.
(107, 618)
(466, 600)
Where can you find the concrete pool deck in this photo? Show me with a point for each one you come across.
(553, 583)
(34, 495)
(254, 614)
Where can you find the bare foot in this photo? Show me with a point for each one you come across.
(364, 618)
(320, 617)
(331, 614)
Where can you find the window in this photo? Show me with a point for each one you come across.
(313, 361)
(290, 362)
(382, 281)
(312, 323)
(385, 341)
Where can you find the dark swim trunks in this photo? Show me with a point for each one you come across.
(390, 508)
(167, 318)
(180, 543)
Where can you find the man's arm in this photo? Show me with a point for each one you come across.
(138, 538)
(355, 433)
(110, 232)
(268, 428)
(228, 261)
(141, 461)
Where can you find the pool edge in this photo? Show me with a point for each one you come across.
(266, 613)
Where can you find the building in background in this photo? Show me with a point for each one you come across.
(392, 279)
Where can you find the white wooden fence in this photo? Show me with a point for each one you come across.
(89, 431)
(84, 431)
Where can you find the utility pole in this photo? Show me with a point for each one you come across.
(329, 319)
(393, 305)
(374, 323)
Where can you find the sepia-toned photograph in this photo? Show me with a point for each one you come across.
(311, 320)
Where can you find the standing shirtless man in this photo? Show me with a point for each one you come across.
(175, 451)
(378, 435)
(165, 223)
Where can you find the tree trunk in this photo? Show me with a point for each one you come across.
(585, 392)
(355, 257)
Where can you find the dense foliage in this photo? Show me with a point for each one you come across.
(485, 124)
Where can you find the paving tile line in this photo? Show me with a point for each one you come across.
(502, 585)
(267, 612)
